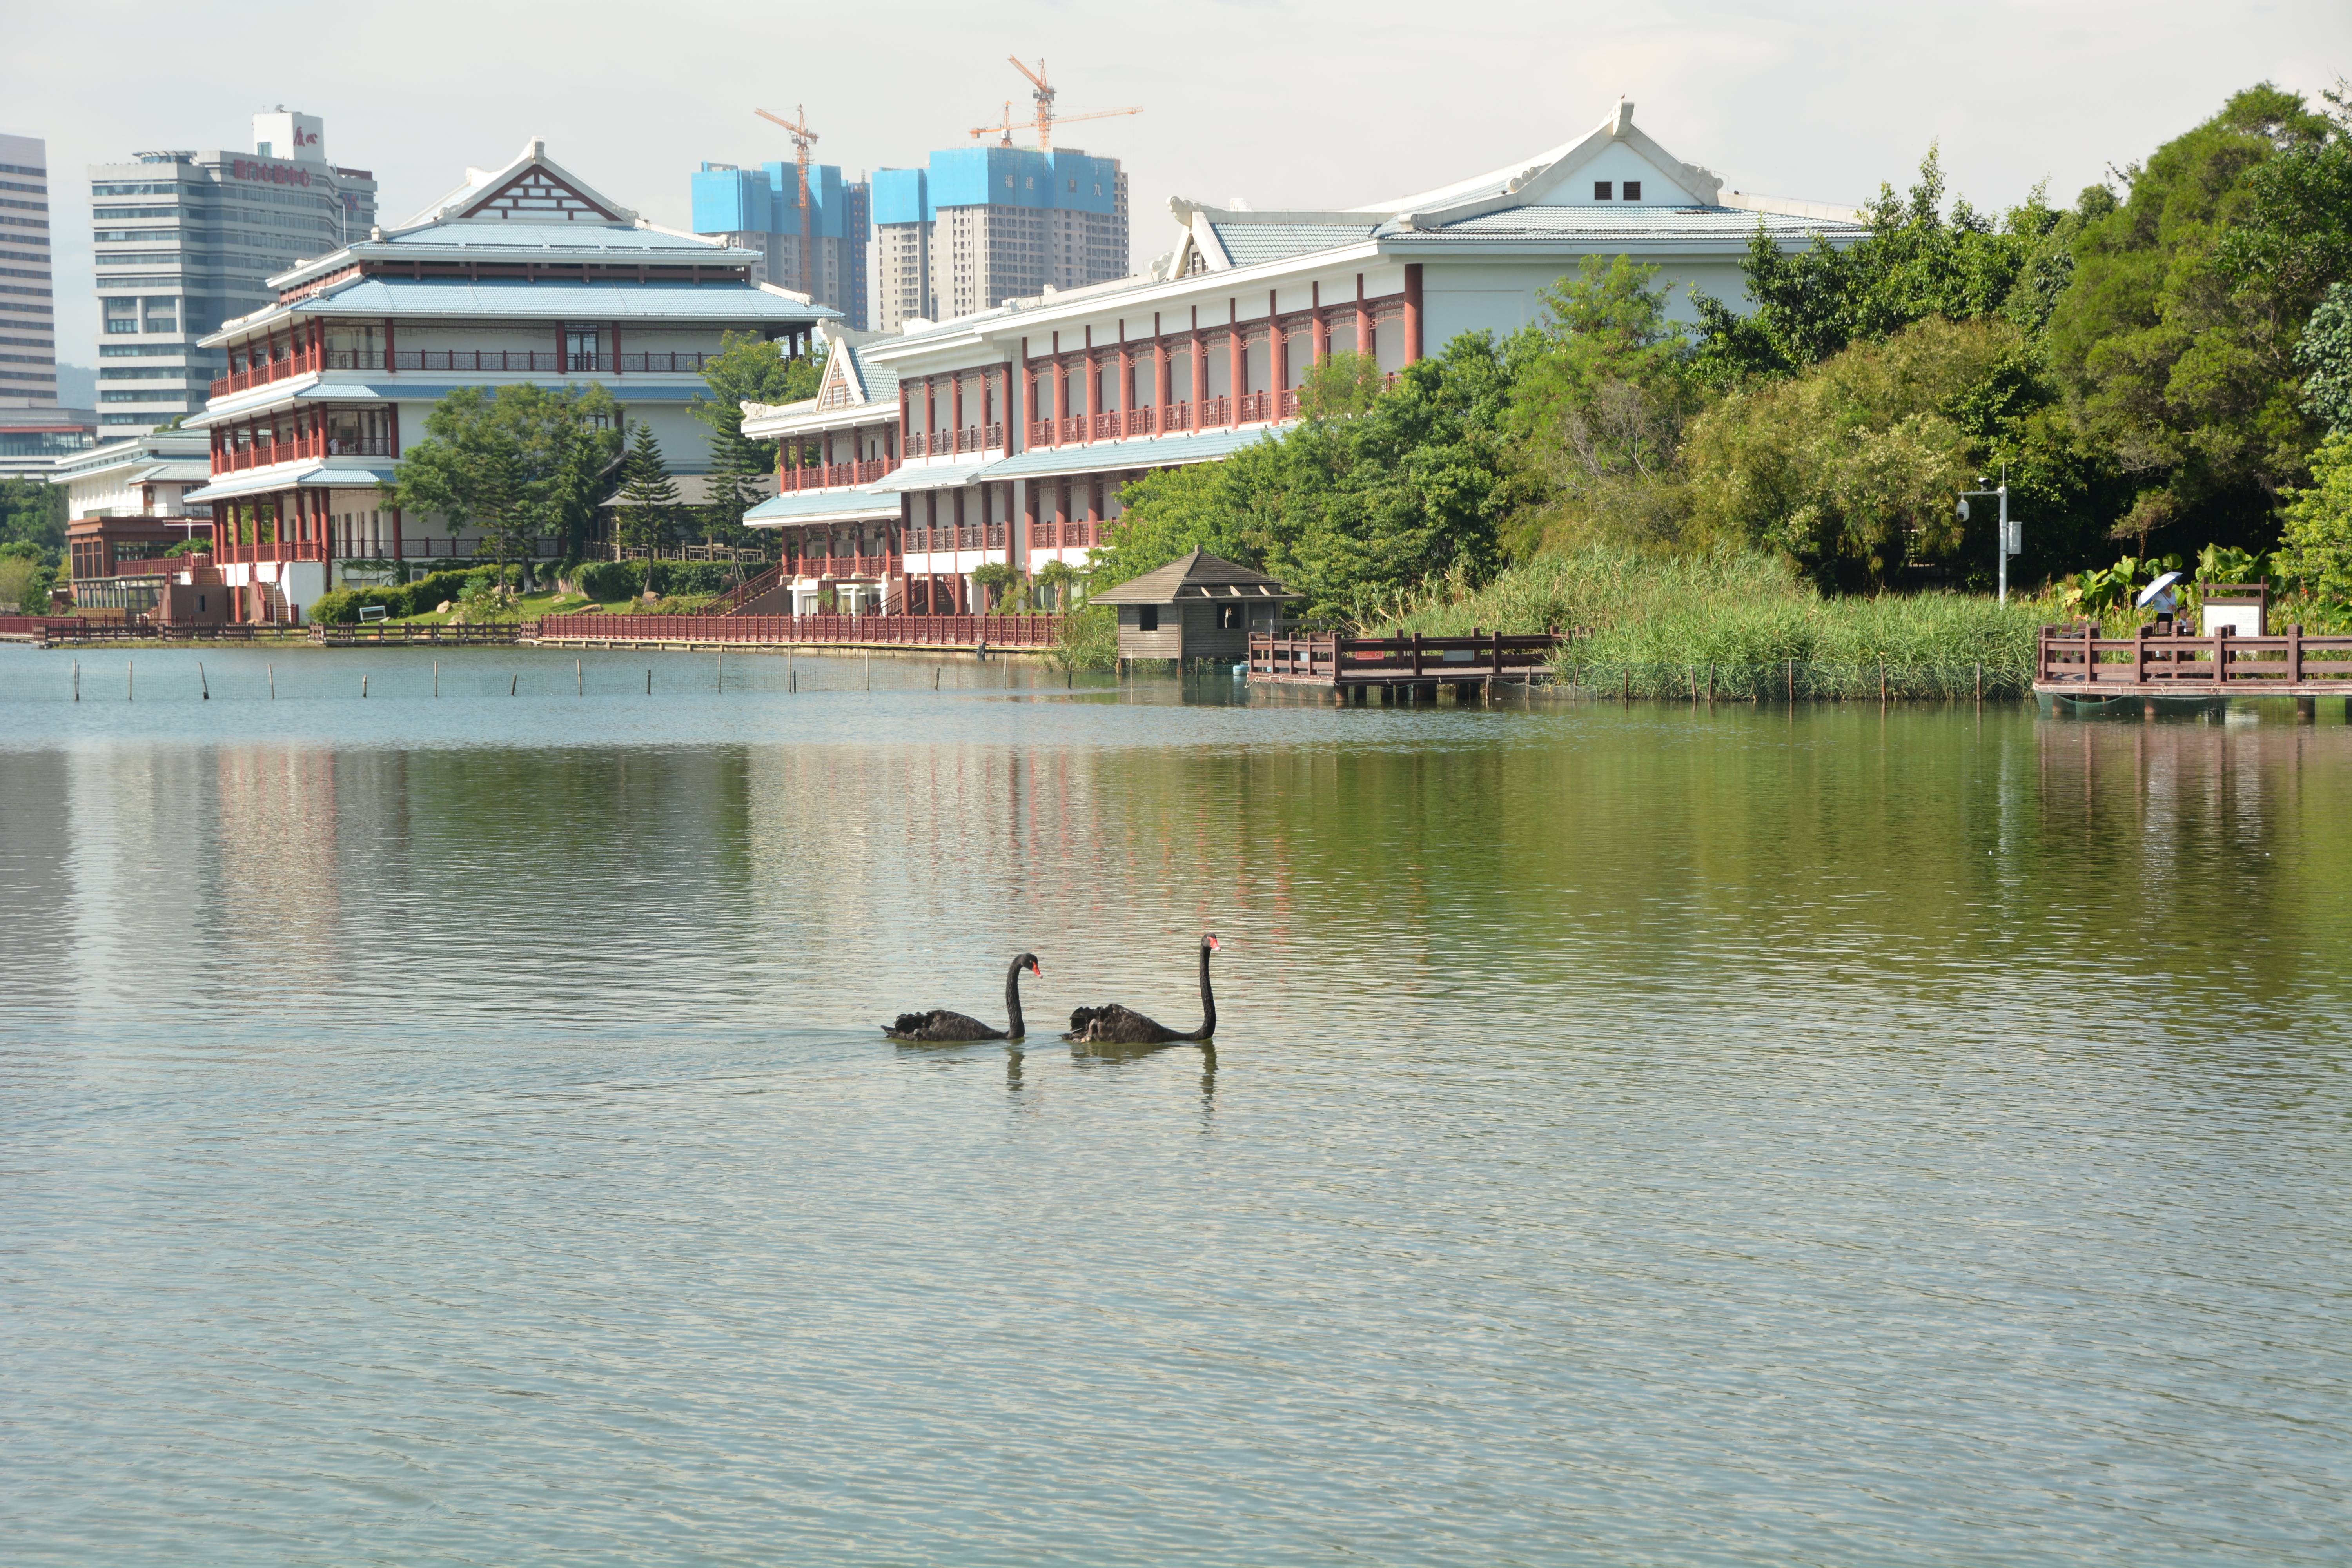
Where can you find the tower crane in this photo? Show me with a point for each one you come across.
(1044, 94)
(803, 140)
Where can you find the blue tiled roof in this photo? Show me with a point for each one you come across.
(1612, 223)
(1251, 243)
(1142, 452)
(583, 301)
(809, 506)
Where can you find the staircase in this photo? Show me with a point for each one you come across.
(741, 599)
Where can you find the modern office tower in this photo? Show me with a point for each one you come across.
(184, 240)
(28, 335)
(759, 209)
(980, 226)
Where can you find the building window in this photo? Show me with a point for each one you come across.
(1599, 190)
(1229, 617)
(1632, 190)
(580, 347)
(1147, 618)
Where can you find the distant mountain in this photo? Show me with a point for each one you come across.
(77, 385)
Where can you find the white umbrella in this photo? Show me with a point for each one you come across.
(2148, 594)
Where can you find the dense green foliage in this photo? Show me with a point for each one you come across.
(2319, 534)
(516, 462)
(748, 369)
(609, 581)
(32, 511)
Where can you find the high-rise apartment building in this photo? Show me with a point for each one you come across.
(980, 226)
(760, 209)
(184, 240)
(28, 331)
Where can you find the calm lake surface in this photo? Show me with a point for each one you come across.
(456, 1130)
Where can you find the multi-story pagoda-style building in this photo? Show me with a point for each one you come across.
(523, 274)
(1018, 426)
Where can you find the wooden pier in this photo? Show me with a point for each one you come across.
(1413, 667)
(926, 633)
(2076, 663)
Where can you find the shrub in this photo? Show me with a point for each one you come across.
(341, 606)
(1089, 638)
(606, 581)
(428, 591)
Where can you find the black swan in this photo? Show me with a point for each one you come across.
(1118, 1025)
(939, 1023)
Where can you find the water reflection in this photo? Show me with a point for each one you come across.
(1809, 1133)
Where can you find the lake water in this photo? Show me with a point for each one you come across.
(456, 1130)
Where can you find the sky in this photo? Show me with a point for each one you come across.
(1284, 105)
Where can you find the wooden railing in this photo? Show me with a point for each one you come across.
(847, 565)
(825, 475)
(1330, 659)
(743, 593)
(488, 633)
(2076, 655)
(927, 631)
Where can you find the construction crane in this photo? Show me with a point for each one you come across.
(803, 140)
(1044, 94)
(1005, 128)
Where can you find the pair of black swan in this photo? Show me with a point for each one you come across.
(1109, 1024)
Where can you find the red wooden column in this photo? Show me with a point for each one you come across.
(1412, 311)
(1236, 363)
(955, 408)
(389, 368)
(1164, 372)
(1277, 356)
(1319, 338)
(1028, 402)
(616, 348)
(1200, 366)
(1126, 384)
(1364, 320)
(1091, 404)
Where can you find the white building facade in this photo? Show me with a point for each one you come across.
(1018, 426)
(524, 274)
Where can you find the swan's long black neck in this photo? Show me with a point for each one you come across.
(1012, 1001)
(1208, 1002)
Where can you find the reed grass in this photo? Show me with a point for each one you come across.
(1739, 623)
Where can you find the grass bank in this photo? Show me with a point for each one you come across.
(1743, 624)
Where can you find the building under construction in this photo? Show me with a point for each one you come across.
(983, 224)
(759, 209)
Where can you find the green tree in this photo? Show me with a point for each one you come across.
(514, 462)
(2324, 356)
(2318, 535)
(1055, 579)
(32, 511)
(1915, 262)
(647, 510)
(2178, 361)
(746, 369)
(1850, 468)
(1605, 387)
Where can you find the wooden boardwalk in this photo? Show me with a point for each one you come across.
(1413, 666)
(2074, 661)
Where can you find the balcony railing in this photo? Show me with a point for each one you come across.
(307, 444)
(1065, 535)
(840, 567)
(825, 475)
(946, 443)
(300, 363)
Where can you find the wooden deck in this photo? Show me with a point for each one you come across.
(2074, 661)
(1354, 666)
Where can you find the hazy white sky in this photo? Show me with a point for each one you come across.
(1310, 104)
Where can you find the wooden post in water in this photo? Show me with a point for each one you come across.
(722, 670)
(579, 680)
(436, 678)
(1792, 683)
(76, 680)
(202, 684)
(273, 681)
(1882, 683)
(513, 682)
(649, 682)
(130, 681)
(1980, 684)
(364, 687)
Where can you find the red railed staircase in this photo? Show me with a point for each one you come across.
(738, 600)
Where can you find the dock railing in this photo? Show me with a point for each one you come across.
(866, 631)
(2074, 656)
(1331, 658)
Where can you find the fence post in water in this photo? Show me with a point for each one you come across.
(1625, 697)
(130, 681)
(1882, 683)
(579, 680)
(1979, 685)
(869, 669)
(202, 684)
(436, 678)
(1792, 683)
(722, 669)
(362, 686)
(649, 683)
(512, 681)
(1710, 686)
(76, 680)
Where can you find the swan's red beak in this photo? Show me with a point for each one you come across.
(1214, 945)
(1036, 969)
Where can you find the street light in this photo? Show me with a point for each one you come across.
(2011, 532)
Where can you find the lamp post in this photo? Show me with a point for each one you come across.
(2008, 543)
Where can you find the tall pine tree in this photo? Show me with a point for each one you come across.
(646, 513)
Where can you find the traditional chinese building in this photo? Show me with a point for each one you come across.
(523, 274)
(1016, 427)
